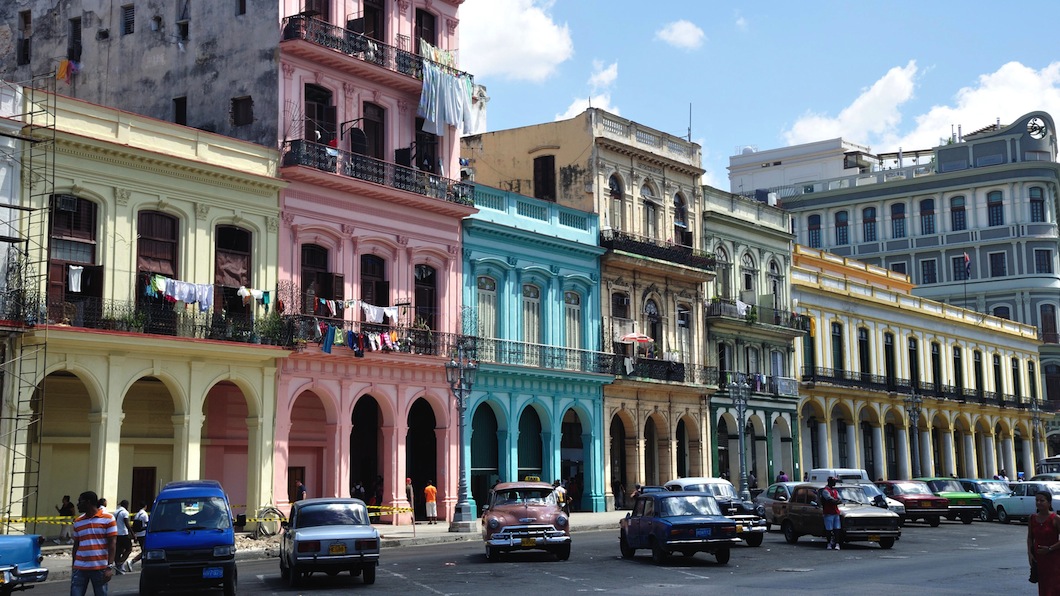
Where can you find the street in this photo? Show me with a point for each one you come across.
(982, 558)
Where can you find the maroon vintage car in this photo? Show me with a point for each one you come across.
(525, 515)
(919, 501)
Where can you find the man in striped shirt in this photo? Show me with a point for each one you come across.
(95, 535)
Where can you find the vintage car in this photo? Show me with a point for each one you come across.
(963, 504)
(750, 523)
(860, 520)
(774, 500)
(669, 522)
(328, 535)
(877, 498)
(20, 562)
(1019, 504)
(919, 501)
(989, 491)
(525, 516)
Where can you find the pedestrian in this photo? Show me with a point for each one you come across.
(430, 498)
(123, 541)
(102, 505)
(1043, 544)
(358, 490)
(619, 492)
(66, 529)
(561, 495)
(637, 490)
(830, 504)
(94, 547)
(139, 528)
(782, 477)
(752, 481)
(299, 491)
(1001, 476)
(410, 497)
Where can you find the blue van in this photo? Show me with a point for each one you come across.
(190, 541)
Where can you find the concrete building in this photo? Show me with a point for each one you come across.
(888, 376)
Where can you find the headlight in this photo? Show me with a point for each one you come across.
(494, 523)
(224, 551)
(561, 521)
(155, 555)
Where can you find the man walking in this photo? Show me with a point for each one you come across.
(830, 504)
(94, 546)
(409, 494)
(123, 540)
(430, 497)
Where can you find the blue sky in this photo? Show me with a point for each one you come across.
(767, 74)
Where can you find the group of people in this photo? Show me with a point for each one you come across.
(430, 500)
(102, 542)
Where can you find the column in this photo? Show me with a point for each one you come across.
(181, 429)
(824, 444)
(877, 453)
(1028, 457)
(927, 454)
(1008, 455)
(973, 469)
(948, 467)
(852, 444)
(902, 454)
(259, 465)
(989, 463)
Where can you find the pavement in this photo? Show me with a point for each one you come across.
(57, 557)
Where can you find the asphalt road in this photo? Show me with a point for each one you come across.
(982, 558)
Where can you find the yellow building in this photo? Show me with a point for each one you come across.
(880, 362)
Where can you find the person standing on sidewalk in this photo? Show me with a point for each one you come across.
(94, 546)
(410, 496)
(66, 531)
(124, 538)
(830, 504)
(430, 498)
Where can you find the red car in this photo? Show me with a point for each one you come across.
(919, 501)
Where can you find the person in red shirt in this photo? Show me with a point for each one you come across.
(430, 497)
(830, 502)
(1043, 543)
(95, 540)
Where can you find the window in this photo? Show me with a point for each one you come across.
(936, 365)
(814, 239)
(373, 126)
(241, 7)
(914, 363)
(977, 370)
(868, 224)
(242, 111)
(180, 110)
(837, 347)
(620, 305)
(960, 268)
(1043, 261)
(71, 267)
(426, 295)
(73, 44)
(320, 9)
(898, 220)
(842, 233)
(1048, 323)
(375, 289)
(572, 317)
(232, 268)
(1002, 312)
(614, 185)
(997, 265)
(864, 352)
(320, 116)
(684, 330)
(374, 23)
(749, 273)
(128, 19)
(545, 177)
(682, 234)
(531, 314)
(1016, 378)
(995, 209)
(426, 27)
(890, 368)
(958, 370)
(1032, 381)
(899, 267)
(318, 283)
(1037, 204)
(958, 219)
(927, 216)
(999, 376)
(928, 273)
(651, 220)
(723, 277)
(487, 306)
(157, 239)
(25, 22)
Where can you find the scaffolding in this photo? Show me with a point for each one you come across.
(27, 144)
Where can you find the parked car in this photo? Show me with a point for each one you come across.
(750, 524)
(963, 504)
(774, 501)
(525, 516)
(669, 522)
(877, 498)
(842, 475)
(1048, 477)
(989, 491)
(328, 535)
(20, 562)
(1020, 503)
(860, 521)
(919, 501)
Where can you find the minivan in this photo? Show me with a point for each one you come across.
(843, 475)
(190, 539)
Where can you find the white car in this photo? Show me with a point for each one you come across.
(1020, 504)
(328, 535)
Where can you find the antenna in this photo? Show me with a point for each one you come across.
(689, 122)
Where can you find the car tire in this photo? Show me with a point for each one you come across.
(368, 575)
(688, 554)
(951, 516)
(789, 532)
(966, 518)
(934, 521)
(886, 543)
(984, 514)
(722, 556)
(230, 583)
(146, 589)
(285, 573)
(754, 539)
(563, 552)
(294, 576)
(1003, 516)
(623, 546)
(658, 553)
(492, 554)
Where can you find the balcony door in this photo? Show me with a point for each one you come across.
(75, 282)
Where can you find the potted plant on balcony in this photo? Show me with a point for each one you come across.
(752, 315)
(270, 328)
(133, 321)
(421, 336)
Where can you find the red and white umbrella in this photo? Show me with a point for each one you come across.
(635, 337)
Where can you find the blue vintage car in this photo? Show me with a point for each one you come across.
(681, 522)
(20, 562)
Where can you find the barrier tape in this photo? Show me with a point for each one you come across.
(374, 510)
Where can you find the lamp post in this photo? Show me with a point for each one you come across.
(460, 373)
(740, 392)
(1036, 418)
(912, 404)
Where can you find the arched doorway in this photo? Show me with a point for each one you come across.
(684, 468)
(722, 465)
(530, 445)
(573, 459)
(365, 440)
(306, 445)
(421, 451)
(618, 459)
(485, 461)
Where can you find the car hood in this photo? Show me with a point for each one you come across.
(525, 514)
(697, 519)
(864, 511)
(335, 532)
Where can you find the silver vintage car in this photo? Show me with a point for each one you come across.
(328, 535)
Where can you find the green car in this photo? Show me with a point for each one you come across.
(963, 504)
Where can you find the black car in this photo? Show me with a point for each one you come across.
(683, 522)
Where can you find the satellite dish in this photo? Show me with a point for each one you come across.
(358, 141)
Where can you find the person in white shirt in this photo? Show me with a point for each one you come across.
(124, 540)
(139, 528)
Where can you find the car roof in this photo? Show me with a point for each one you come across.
(327, 501)
(191, 489)
(659, 494)
(522, 484)
(698, 480)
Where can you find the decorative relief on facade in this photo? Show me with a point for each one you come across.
(288, 70)
(348, 229)
(122, 196)
(453, 249)
(403, 106)
(201, 210)
(512, 261)
(403, 240)
(554, 269)
(288, 218)
(349, 90)
(450, 25)
(272, 224)
(467, 253)
(403, 5)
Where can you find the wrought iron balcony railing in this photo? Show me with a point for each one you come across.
(501, 351)
(729, 308)
(664, 370)
(657, 249)
(362, 167)
(845, 378)
(762, 383)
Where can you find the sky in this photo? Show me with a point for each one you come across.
(892, 75)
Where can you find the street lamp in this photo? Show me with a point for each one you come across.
(912, 404)
(460, 373)
(1036, 417)
(740, 392)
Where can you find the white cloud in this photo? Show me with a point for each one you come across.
(741, 22)
(681, 34)
(512, 39)
(603, 78)
(580, 104)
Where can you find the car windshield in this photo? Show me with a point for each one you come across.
(870, 490)
(912, 488)
(525, 496)
(946, 486)
(174, 515)
(332, 514)
(852, 494)
(688, 505)
(718, 489)
(1053, 488)
(988, 488)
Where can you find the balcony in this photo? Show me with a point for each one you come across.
(664, 370)
(376, 171)
(516, 353)
(774, 385)
(869, 382)
(656, 249)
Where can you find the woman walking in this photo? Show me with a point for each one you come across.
(1043, 544)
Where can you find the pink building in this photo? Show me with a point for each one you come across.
(370, 248)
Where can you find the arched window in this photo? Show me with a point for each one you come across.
(486, 288)
(572, 319)
(531, 314)
(842, 230)
(958, 217)
(748, 274)
(682, 232)
(776, 283)
(655, 327)
(1002, 312)
(723, 277)
(651, 213)
(927, 216)
(617, 212)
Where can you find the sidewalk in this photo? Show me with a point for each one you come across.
(57, 558)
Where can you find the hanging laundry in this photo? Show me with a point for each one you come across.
(74, 278)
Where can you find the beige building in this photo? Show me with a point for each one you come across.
(880, 362)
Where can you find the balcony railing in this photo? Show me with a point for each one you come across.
(664, 370)
(501, 351)
(370, 169)
(846, 378)
(761, 383)
(754, 314)
(657, 249)
(355, 45)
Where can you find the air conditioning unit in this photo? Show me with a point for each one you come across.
(66, 203)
